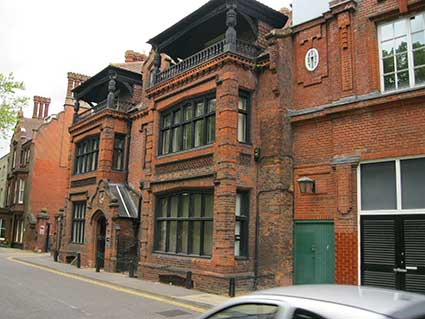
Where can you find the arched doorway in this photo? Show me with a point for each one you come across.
(100, 241)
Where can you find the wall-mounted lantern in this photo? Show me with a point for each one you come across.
(307, 185)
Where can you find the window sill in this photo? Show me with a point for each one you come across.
(160, 253)
(185, 151)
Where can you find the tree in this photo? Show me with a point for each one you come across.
(10, 102)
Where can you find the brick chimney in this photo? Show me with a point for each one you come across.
(74, 80)
(132, 56)
(41, 107)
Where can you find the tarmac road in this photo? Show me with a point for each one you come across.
(31, 293)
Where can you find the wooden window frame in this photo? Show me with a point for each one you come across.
(243, 220)
(78, 222)
(192, 122)
(190, 219)
(84, 158)
(119, 152)
(247, 115)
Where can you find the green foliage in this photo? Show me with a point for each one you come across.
(10, 102)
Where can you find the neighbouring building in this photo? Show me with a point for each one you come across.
(5, 221)
(38, 172)
(352, 81)
(102, 211)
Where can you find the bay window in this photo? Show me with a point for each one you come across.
(21, 191)
(184, 224)
(188, 125)
(402, 52)
(86, 155)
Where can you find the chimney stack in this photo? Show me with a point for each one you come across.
(41, 107)
(74, 80)
(132, 56)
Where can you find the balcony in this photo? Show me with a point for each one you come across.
(243, 48)
(118, 106)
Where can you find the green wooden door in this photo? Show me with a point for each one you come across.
(314, 256)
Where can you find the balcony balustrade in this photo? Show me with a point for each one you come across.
(118, 106)
(243, 48)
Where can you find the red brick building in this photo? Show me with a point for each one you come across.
(352, 81)
(38, 172)
(101, 216)
(244, 153)
(216, 199)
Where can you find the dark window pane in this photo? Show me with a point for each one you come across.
(197, 205)
(166, 121)
(389, 82)
(163, 207)
(173, 237)
(177, 139)
(211, 129)
(199, 109)
(187, 136)
(196, 238)
(183, 236)
(402, 62)
(208, 238)
(166, 142)
(420, 76)
(209, 205)
(378, 186)
(413, 183)
(185, 205)
(177, 117)
(389, 65)
(162, 228)
(403, 79)
(211, 105)
(174, 209)
(419, 57)
(199, 133)
(188, 113)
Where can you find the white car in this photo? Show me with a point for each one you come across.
(323, 302)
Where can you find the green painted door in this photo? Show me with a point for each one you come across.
(314, 258)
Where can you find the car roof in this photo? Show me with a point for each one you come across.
(393, 303)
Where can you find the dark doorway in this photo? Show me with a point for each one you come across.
(393, 252)
(100, 242)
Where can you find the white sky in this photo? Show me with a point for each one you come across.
(42, 40)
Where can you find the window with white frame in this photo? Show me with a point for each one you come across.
(21, 191)
(393, 186)
(2, 229)
(402, 52)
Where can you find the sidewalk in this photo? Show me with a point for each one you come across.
(188, 296)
